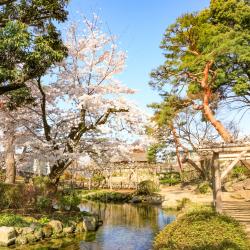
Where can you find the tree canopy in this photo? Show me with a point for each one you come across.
(207, 59)
(29, 41)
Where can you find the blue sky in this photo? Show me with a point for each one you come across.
(139, 25)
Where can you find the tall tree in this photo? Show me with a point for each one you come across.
(83, 110)
(207, 57)
(29, 41)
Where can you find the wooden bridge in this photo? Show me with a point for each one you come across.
(240, 211)
(231, 153)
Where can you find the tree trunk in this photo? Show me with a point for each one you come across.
(196, 167)
(177, 145)
(217, 124)
(208, 113)
(10, 157)
(57, 170)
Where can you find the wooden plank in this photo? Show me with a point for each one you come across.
(230, 167)
(221, 149)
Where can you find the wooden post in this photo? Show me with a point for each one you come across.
(217, 199)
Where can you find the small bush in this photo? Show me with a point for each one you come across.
(43, 203)
(10, 195)
(43, 220)
(69, 200)
(239, 172)
(97, 179)
(182, 203)
(42, 184)
(202, 230)
(171, 179)
(147, 187)
(204, 188)
(11, 220)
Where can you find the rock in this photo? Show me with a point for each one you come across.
(73, 225)
(89, 223)
(31, 238)
(39, 234)
(56, 226)
(68, 230)
(157, 200)
(21, 240)
(136, 199)
(67, 208)
(79, 227)
(19, 230)
(27, 230)
(7, 236)
(47, 231)
(100, 223)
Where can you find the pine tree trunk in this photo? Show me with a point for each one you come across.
(208, 113)
(10, 157)
(217, 124)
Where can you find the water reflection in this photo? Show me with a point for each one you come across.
(126, 226)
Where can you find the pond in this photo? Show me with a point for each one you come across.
(126, 226)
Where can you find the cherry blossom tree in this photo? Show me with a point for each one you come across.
(81, 107)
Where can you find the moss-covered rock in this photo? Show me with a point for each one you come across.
(21, 240)
(31, 238)
(47, 231)
(56, 225)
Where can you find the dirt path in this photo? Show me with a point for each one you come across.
(174, 194)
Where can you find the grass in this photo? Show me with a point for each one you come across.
(202, 229)
(16, 220)
(11, 220)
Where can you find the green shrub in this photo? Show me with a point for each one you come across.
(171, 178)
(42, 184)
(115, 197)
(97, 179)
(147, 187)
(202, 230)
(182, 203)
(43, 220)
(240, 171)
(43, 203)
(204, 188)
(11, 195)
(11, 220)
(69, 200)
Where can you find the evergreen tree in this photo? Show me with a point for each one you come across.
(29, 41)
(207, 58)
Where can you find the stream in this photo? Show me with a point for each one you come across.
(125, 226)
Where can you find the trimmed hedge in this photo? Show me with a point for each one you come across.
(202, 230)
